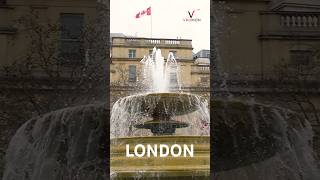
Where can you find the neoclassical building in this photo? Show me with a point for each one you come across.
(72, 16)
(253, 37)
(268, 51)
(44, 46)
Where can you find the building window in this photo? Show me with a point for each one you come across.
(173, 78)
(150, 52)
(208, 55)
(300, 57)
(204, 79)
(132, 73)
(71, 46)
(174, 53)
(132, 53)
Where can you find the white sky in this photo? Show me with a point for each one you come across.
(167, 20)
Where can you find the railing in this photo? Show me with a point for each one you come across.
(151, 42)
(291, 23)
(132, 40)
(172, 42)
(300, 20)
(200, 69)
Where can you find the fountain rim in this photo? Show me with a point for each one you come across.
(165, 98)
(162, 93)
(189, 137)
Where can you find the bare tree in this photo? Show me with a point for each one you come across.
(299, 83)
(69, 78)
(44, 79)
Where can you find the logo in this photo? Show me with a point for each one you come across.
(192, 17)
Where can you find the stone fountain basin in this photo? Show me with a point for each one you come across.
(65, 144)
(72, 143)
(164, 105)
(197, 167)
(245, 134)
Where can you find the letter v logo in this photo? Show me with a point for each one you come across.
(191, 15)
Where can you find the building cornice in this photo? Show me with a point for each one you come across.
(143, 38)
(137, 60)
(289, 37)
(140, 42)
(152, 46)
(278, 5)
(290, 12)
(264, 1)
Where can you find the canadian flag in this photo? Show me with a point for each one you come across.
(144, 12)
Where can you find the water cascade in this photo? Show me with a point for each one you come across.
(260, 142)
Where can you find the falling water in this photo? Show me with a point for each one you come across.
(65, 144)
(136, 109)
(260, 142)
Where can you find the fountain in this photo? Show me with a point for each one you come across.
(250, 141)
(160, 116)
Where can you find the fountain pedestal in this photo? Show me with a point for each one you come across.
(159, 127)
(168, 168)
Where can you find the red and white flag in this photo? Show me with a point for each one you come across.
(146, 12)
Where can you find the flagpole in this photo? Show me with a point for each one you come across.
(151, 18)
(151, 23)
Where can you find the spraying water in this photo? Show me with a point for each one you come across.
(160, 75)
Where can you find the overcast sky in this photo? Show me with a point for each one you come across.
(167, 20)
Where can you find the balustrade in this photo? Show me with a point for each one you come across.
(300, 20)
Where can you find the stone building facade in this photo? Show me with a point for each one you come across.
(268, 51)
(14, 41)
(45, 55)
(257, 35)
